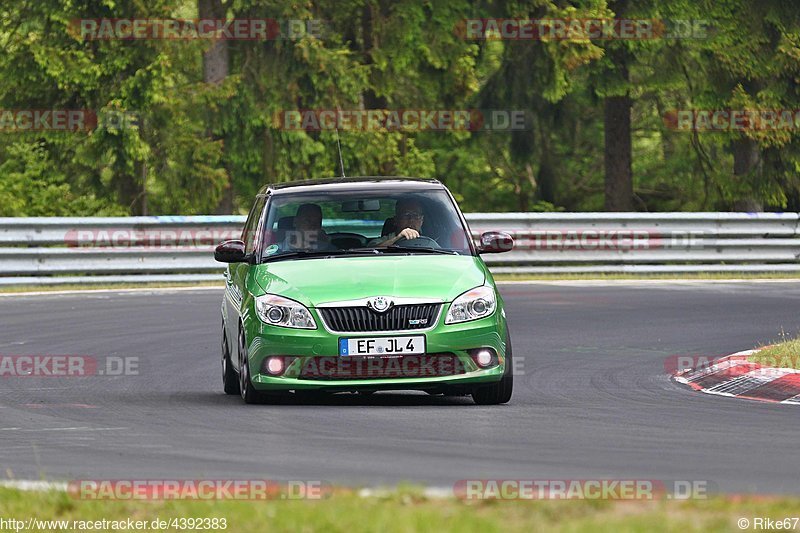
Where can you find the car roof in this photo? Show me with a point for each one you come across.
(400, 183)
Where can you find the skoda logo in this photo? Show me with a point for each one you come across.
(379, 304)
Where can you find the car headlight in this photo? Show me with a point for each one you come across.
(279, 311)
(474, 304)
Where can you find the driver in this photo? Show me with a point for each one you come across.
(409, 215)
(308, 233)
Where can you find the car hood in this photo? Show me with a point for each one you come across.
(315, 281)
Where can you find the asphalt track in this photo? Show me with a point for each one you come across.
(595, 401)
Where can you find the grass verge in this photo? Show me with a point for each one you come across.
(406, 510)
(104, 286)
(784, 354)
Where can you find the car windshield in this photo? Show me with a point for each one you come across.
(355, 222)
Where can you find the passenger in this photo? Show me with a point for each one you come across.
(307, 234)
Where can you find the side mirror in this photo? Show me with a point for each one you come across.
(230, 252)
(495, 242)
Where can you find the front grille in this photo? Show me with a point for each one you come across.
(383, 367)
(364, 319)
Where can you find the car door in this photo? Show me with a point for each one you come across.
(236, 278)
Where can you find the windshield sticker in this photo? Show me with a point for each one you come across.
(271, 249)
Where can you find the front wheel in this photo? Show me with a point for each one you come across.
(230, 381)
(499, 392)
(249, 394)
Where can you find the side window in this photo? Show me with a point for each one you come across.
(251, 226)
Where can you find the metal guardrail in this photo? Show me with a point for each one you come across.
(178, 248)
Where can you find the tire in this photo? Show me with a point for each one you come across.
(249, 394)
(499, 392)
(230, 380)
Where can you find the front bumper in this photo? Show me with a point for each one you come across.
(311, 348)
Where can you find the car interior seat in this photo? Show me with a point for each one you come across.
(388, 227)
(284, 224)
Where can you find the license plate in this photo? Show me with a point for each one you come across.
(410, 345)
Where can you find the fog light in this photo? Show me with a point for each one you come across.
(484, 357)
(275, 365)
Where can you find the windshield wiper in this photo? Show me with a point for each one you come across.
(422, 249)
(301, 254)
(364, 250)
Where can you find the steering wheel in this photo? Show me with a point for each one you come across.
(420, 242)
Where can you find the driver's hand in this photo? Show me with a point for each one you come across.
(408, 234)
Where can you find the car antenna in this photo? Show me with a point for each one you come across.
(339, 145)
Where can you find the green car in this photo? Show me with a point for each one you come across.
(361, 285)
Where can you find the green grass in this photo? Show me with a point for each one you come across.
(407, 510)
(105, 286)
(783, 354)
